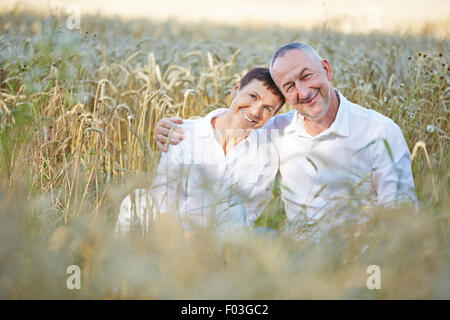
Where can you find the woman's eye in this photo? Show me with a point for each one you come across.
(252, 96)
(268, 109)
(307, 76)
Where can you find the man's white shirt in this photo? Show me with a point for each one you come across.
(199, 182)
(362, 160)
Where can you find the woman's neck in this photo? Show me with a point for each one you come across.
(226, 133)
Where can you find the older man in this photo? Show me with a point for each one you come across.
(334, 154)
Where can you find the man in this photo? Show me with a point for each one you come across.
(334, 154)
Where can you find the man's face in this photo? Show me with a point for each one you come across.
(253, 105)
(305, 83)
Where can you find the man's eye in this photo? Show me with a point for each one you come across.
(307, 76)
(289, 87)
(268, 109)
(252, 96)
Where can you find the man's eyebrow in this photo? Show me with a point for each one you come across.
(286, 83)
(303, 71)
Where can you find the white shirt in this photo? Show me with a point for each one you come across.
(201, 184)
(347, 164)
(137, 212)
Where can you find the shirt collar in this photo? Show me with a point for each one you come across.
(206, 129)
(340, 125)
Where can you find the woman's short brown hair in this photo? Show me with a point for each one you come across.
(263, 75)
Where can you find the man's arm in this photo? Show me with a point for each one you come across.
(391, 165)
(164, 126)
(163, 129)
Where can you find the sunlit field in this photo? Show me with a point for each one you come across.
(77, 114)
(349, 16)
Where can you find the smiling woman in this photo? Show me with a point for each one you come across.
(221, 175)
(255, 99)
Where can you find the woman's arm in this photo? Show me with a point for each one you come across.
(167, 182)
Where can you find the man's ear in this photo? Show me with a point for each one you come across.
(235, 90)
(327, 67)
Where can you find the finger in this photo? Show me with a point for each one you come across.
(165, 127)
(165, 123)
(180, 131)
(161, 139)
(174, 140)
(162, 146)
(176, 128)
(177, 120)
(177, 136)
(163, 131)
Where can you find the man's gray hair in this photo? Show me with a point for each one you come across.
(295, 46)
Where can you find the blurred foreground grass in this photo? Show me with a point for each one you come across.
(77, 112)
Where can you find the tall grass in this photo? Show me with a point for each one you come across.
(77, 113)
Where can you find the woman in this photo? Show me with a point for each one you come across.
(221, 175)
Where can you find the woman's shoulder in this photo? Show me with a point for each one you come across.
(191, 124)
(280, 121)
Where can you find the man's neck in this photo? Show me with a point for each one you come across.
(316, 127)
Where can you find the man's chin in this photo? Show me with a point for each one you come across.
(311, 118)
(314, 117)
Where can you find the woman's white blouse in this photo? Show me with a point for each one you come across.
(197, 182)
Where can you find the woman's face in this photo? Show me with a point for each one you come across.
(253, 105)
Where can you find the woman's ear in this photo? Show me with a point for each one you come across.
(235, 90)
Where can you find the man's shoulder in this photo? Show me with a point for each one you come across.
(367, 119)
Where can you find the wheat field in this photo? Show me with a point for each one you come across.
(77, 114)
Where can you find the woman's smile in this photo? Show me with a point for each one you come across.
(246, 116)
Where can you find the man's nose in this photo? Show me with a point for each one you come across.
(302, 90)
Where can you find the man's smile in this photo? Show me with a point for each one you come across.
(310, 100)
